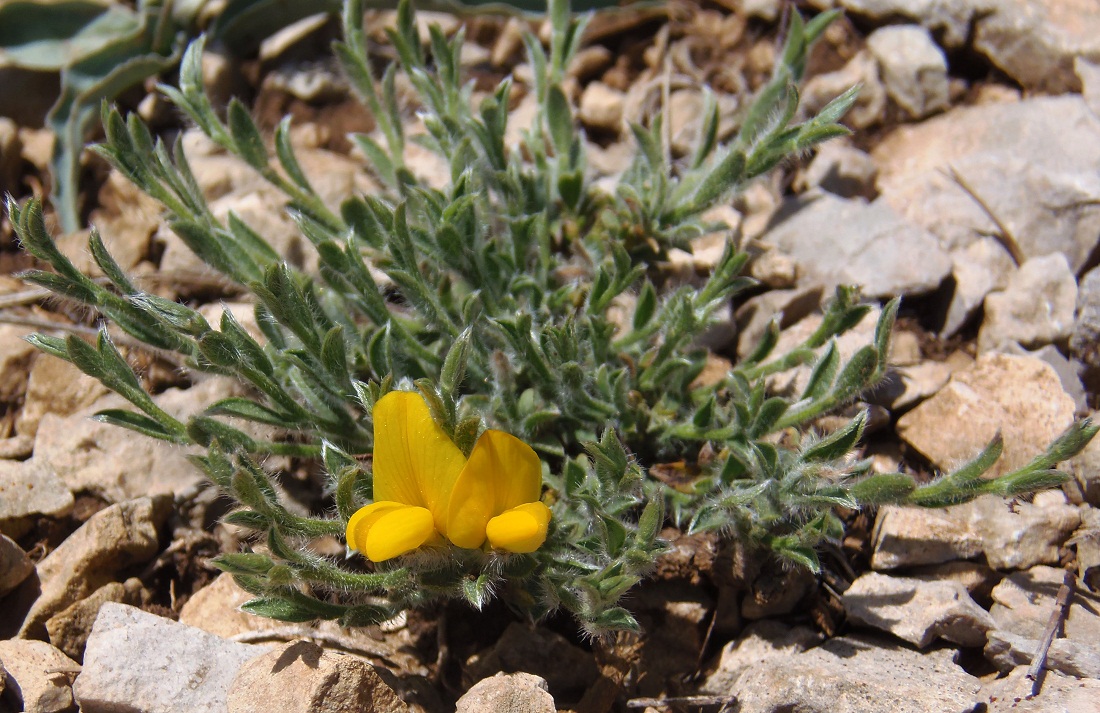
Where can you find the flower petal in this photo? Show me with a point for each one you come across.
(398, 531)
(415, 463)
(365, 518)
(502, 472)
(521, 529)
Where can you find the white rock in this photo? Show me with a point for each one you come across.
(38, 674)
(870, 105)
(837, 241)
(507, 693)
(790, 306)
(907, 536)
(140, 661)
(840, 169)
(1035, 308)
(56, 386)
(949, 18)
(917, 611)
(847, 344)
(1031, 163)
(1007, 651)
(1024, 535)
(1023, 602)
(113, 539)
(1059, 694)
(69, 628)
(1035, 42)
(855, 675)
(304, 678)
(913, 68)
(28, 489)
(602, 107)
(1021, 397)
(116, 464)
(760, 641)
(979, 268)
(1085, 467)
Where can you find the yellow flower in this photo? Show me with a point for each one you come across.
(425, 489)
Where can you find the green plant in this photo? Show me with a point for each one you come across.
(500, 311)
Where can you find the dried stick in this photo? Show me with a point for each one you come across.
(1061, 609)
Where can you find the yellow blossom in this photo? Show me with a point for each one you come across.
(426, 490)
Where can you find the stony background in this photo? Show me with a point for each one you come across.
(969, 187)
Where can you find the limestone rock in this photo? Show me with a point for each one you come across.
(15, 360)
(759, 642)
(507, 693)
(1036, 42)
(1085, 467)
(114, 538)
(917, 611)
(906, 386)
(913, 68)
(1059, 694)
(1026, 534)
(112, 462)
(567, 670)
(140, 661)
(854, 675)
(1031, 163)
(1085, 340)
(601, 108)
(1020, 397)
(70, 627)
(15, 566)
(1006, 651)
(1035, 308)
(1023, 601)
(949, 19)
(39, 675)
(908, 536)
(978, 268)
(55, 386)
(837, 241)
(870, 105)
(840, 169)
(847, 344)
(26, 490)
(304, 678)
(789, 306)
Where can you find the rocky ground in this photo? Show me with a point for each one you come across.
(969, 187)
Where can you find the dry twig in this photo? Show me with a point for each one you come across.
(1061, 608)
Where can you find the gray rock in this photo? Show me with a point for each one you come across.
(304, 678)
(1031, 163)
(112, 462)
(15, 566)
(789, 306)
(912, 67)
(917, 611)
(840, 169)
(1026, 534)
(1035, 308)
(870, 105)
(507, 693)
(1059, 694)
(1035, 42)
(1006, 651)
(39, 675)
(837, 241)
(114, 538)
(854, 675)
(978, 268)
(906, 386)
(1023, 602)
(908, 536)
(948, 19)
(847, 344)
(1085, 340)
(69, 628)
(1089, 74)
(761, 641)
(1085, 467)
(140, 661)
(28, 489)
(1020, 397)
